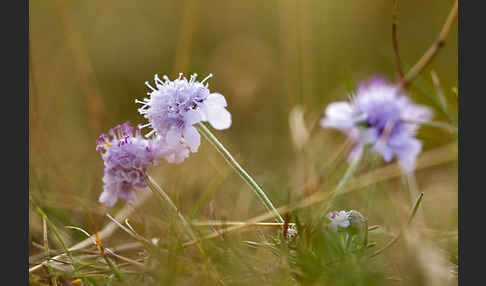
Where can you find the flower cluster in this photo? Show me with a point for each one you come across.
(172, 109)
(126, 156)
(344, 219)
(382, 116)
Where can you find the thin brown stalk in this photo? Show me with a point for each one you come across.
(186, 34)
(432, 51)
(231, 223)
(428, 159)
(395, 40)
(82, 62)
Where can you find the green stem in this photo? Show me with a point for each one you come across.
(156, 189)
(339, 190)
(46, 250)
(234, 164)
(163, 196)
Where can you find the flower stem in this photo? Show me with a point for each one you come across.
(349, 173)
(156, 189)
(163, 196)
(340, 190)
(234, 164)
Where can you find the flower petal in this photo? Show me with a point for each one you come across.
(218, 117)
(344, 223)
(192, 117)
(108, 198)
(215, 99)
(339, 115)
(174, 136)
(192, 138)
(127, 195)
(406, 149)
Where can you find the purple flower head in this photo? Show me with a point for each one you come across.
(175, 106)
(382, 116)
(126, 156)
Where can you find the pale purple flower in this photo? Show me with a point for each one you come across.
(126, 156)
(382, 116)
(175, 106)
(345, 219)
(338, 219)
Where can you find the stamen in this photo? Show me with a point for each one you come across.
(143, 126)
(206, 78)
(150, 133)
(157, 80)
(147, 84)
(193, 78)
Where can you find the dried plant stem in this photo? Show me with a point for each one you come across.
(426, 160)
(59, 238)
(231, 223)
(432, 51)
(84, 68)
(243, 174)
(395, 40)
(190, 16)
(108, 230)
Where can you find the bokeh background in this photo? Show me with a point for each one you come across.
(89, 61)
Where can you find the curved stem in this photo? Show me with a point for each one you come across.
(395, 40)
(234, 164)
(432, 51)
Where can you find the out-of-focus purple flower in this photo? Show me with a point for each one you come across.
(338, 219)
(382, 116)
(175, 106)
(345, 219)
(126, 156)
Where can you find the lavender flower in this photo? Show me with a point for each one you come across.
(126, 156)
(344, 219)
(175, 106)
(382, 116)
(340, 219)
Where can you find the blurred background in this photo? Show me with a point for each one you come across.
(278, 63)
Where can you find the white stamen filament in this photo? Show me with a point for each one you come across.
(147, 84)
(206, 78)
